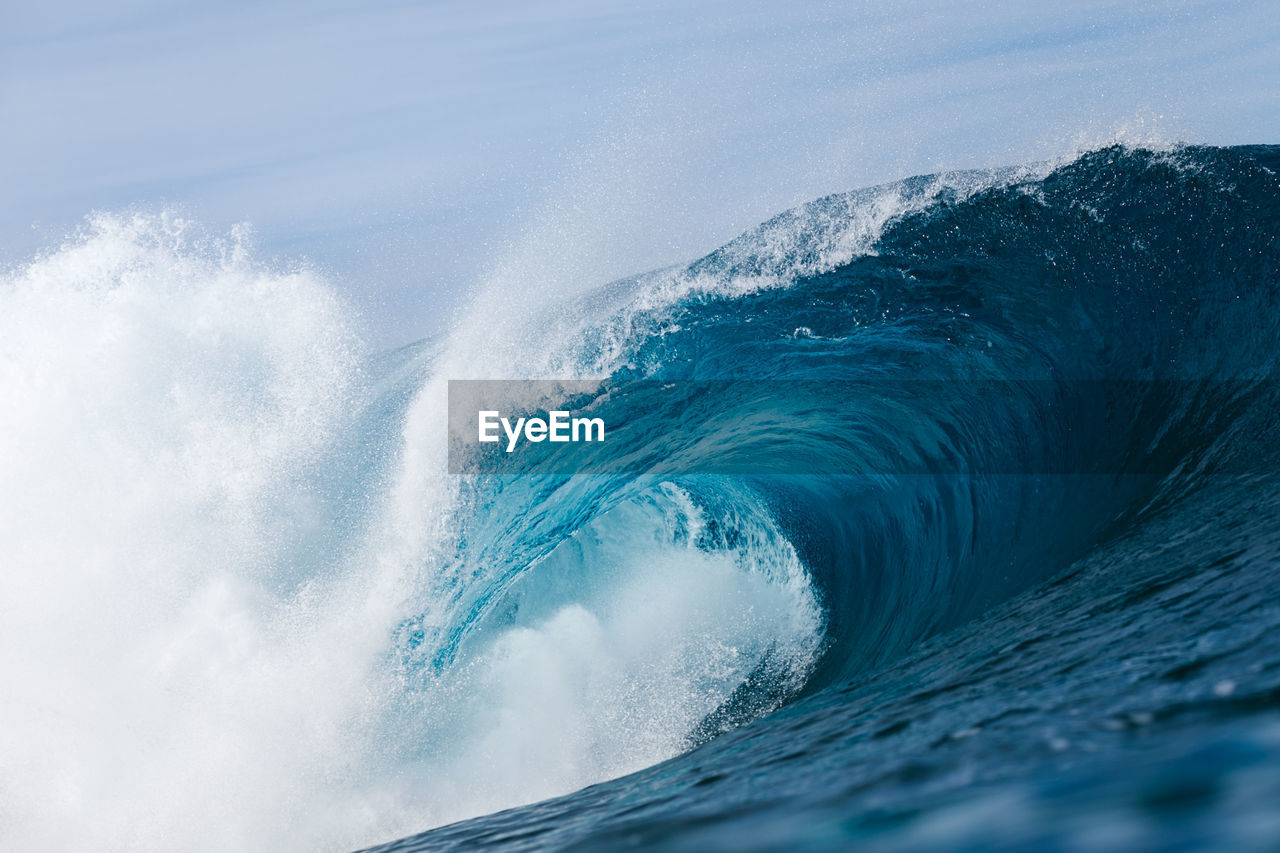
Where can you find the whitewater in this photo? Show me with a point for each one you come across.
(245, 605)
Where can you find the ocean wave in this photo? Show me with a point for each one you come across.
(240, 567)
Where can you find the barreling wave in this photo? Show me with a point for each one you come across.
(1127, 298)
(278, 586)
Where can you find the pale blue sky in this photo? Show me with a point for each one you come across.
(406, 148)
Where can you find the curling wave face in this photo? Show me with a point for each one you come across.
(247, 605)
(1121, 560)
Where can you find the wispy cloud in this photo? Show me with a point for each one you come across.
(402, 144)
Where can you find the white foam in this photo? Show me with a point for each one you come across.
(170, 680)
(185, 667)
(615, 683)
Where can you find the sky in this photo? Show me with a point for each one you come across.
(410, 150)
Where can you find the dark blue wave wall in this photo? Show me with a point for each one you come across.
(1159, 269)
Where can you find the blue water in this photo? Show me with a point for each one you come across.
(935, 515)
(1075, 647)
